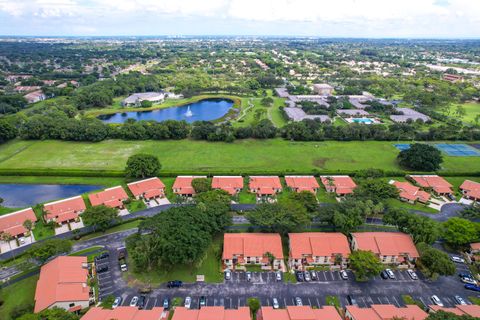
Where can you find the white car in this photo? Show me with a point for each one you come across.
(298, 301)
(457, 259)
(460, 300)
(228, 274)
(278, 275)
(436, 300)
(133, 302)
(275, 303)
(390, 273)
(188, 302)
(307, 276)
(412, 274)
(344, 274)
(116, 302)
(469, 280)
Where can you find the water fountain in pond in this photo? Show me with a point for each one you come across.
(189, 112)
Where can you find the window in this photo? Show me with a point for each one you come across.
(71, 305)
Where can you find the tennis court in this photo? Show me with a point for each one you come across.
(476, 146)
(402, 146)
(458, 150)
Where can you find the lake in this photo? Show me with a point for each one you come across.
(203, 110)
(26, 195)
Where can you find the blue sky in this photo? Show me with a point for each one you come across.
(338, 18)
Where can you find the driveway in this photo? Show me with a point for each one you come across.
(447, 211)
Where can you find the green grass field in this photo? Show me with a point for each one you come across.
(17, 295)
(260, 156)
(472, 109)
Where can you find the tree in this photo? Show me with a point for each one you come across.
(434, 262)
(365, 264)
(375, 190)
(443, 315)
(347, 215)
(42, 251)
(254, 305)
(470, 212)
(7, 131)
(201, 185)
(142, 166)
(460, 111)
(420, 157)
(146, 104)
(28, 224)
(279, 217)
(6, 237)
(100, 217)
(307, 199)
(267, 101)
(459, 231)
(51, 314)
(422, 229)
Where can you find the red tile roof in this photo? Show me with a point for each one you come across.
(64, 210)
(471, 189)
(265, 184)
(183, 184)
(339, 184)
(300, 313)
(475, 246)
(252, 245)
(125, 313)
(211, 313)
(471, 309)
(387, 312)
(64, 279)
(410, 192)
(112, 197)
(302, 183)
(12, 223)
(437, 183)
(319, 244)
(153, 187)
(228, 183)
(386, 243)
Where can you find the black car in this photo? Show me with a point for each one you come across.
(384, 274)
(174, 284)
(101, 269)
(351, 300)
(300, 277)
(141, 302)
(102, 256)
(203, 301)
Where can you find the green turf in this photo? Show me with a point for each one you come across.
(201, 156)
(4, 210)
(121, 227)
(472, 109)
(103, 181)
(136, 205)
(396, 203)
(17, 295)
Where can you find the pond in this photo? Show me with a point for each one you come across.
(203, 110)
(26, 195)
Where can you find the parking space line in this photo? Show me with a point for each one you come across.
(380, 301)
(396, 302)
(364, 303)
(318, 303)
(324, 276)
(309, 302)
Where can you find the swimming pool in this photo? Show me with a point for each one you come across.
(361, 120)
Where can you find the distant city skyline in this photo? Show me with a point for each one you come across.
(340, 18)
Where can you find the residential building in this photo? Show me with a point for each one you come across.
(475, 247)
(183, 185)
(302, 183)
(64, 211)
(13, 224)
(470, 190)
(231, 184)
(26, 88)
(406, 114)
(298, 313)
(63, 283)
(35, 96)
(211, 313)
(265, 186)
(126, 313)
(385, 312)
(241, 249)
(410, 193)
(352, 112)
(137, 98)
(310, 249)
(341, 185)
(460, 310)
(390, 247)
(111, 197)
(437, 184)
(323, 89)
(297, 114)
(452, 78)
(148, 189)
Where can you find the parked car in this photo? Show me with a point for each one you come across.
(412, 274)
(460, 300)
(166, 303)
(249, 276)
(300, 277)
(188, 302)
(101, 269)
(203, 301)
(468, 280)
(436, 300)
(278, 275)
(390, 273)
(314, 275)
(451, 197)
(465, 275)
(457, 259)
(307, 276)
(351, 300)
(228, 274)
(384, 274)
(298, 301)
(344, 274)
(275, 303)
(472, 287)
(174, 284)
(117, 302)
(102, 256)
(141, 302)
(134, 301)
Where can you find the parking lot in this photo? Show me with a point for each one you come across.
(106, 279)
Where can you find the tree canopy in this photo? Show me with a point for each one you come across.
(201, 185)
(458, 231)
(420, 157)
(422, 229)
(50, 314)
(434, 262)
(100, 217)
(365, 264)
(142, 166)
(279, 217)
(375, 190)
(41, 251)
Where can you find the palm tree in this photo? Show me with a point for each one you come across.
(28, 224)
(7, 237)
(271, 258)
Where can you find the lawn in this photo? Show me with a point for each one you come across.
(210, 266)
(19, 294)
(242, 156)
(103, 181)
(472, 109)
(120, 227)
(396, 203)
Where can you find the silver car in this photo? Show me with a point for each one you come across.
(307, 276)
(460, 300)
(188, 302)
(436, 300)
(275, 303)
(298, 301)
(117, 302)
(412, 274)
(134, 301)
